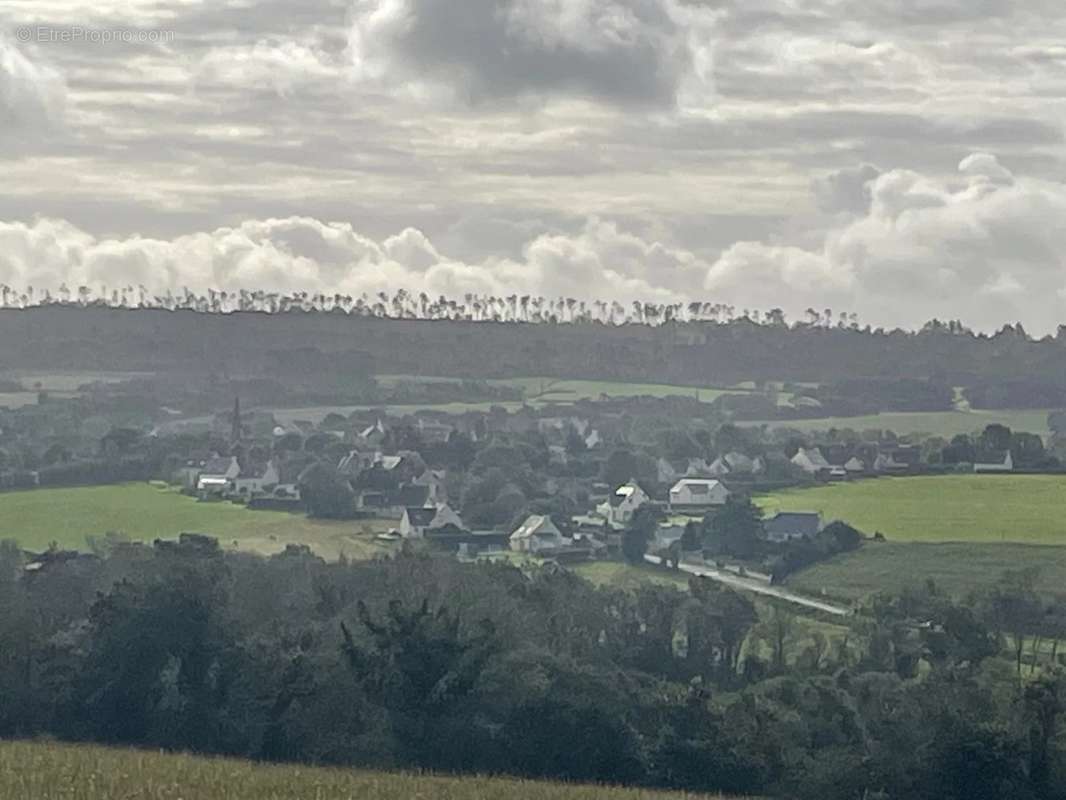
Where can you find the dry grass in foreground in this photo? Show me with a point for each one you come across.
(49, 771)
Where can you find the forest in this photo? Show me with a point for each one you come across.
(305, 339)
(418, 662)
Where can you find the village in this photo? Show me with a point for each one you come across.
(539, 484)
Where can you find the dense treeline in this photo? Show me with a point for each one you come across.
(292, 344)
(424, 662)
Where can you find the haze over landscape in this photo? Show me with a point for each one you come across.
(897, 162)
(554, 399)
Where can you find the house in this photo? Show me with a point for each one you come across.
(788, 526)
(698, 468)
(536, 535)
(1002, 461)
(885, 462)
(216, 475)
(433, 432)
(697, 495)
(353, 464)
(740, 464)
(374, 436)
(719, 468)
(256, 480)
(855, 466)
(811, 460)
(418, 523)
(623, 504)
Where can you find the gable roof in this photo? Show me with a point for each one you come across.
(219, 465)
(696, 485)
(794, 523)
(536, 525)
(420, 517)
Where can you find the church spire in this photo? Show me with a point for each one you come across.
(235, 435)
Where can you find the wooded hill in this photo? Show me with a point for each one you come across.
(697, 353)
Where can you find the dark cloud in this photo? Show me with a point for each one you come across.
(632, 52)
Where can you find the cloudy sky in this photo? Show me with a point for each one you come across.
(897, 160)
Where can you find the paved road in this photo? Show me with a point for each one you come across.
(757, 587)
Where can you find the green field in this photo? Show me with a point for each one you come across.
(940, 423)
(144, 513)
(951, 508)
(49, 771)
(959, 568)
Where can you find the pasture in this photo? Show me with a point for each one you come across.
(144, 512)
(1029, 509)
(50, 771)
(958, 568)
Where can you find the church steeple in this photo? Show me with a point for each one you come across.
(235, 434)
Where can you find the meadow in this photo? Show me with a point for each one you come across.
(48, 771)
(1028, 509)
(145, 512)
(958, 568)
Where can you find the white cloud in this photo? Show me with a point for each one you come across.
(303, 254)
(31, 94)
(987, 252)
(282, 65)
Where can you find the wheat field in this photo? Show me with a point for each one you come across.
(50, 771)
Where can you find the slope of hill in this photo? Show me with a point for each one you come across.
(703, 353)
(47, 771)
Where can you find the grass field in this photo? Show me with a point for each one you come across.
(959, 568)
(964, 508)
(63, 772)
(143, 512)
(940, 423)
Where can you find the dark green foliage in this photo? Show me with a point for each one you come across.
(639, 533)
(326, 494)
(426, 663)
(735, 529)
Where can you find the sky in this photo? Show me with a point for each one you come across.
(898, 161)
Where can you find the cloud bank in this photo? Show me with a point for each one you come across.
(988, 246)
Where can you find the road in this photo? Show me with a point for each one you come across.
(757, 587)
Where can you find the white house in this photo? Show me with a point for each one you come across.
(255, 481)
(217, 474)
(811, 460)
(537, 534)
(417, 523)
(1005, 463)
(697, 494)
(623, 504)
